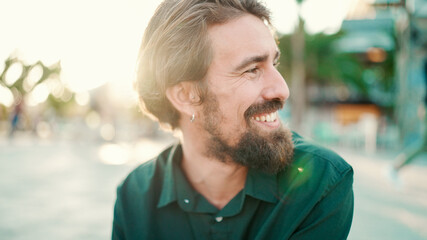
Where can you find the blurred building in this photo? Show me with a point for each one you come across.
(389, 35)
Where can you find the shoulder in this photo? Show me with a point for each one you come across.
(147, 176)
(314, 168)
(137, 198)
(308, 152)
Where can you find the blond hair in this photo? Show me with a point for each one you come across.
(176, 48)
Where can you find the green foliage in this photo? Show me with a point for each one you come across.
(320, 58)
(325, 65)
(58, 105)
(47, 72)
(21, 88)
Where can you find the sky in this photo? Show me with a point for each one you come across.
(97, 41)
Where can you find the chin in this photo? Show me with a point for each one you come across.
(269, 152)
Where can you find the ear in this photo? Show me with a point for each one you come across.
(183, 97)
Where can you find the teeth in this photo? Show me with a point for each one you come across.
(271, 117)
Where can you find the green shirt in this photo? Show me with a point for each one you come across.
(310, 199)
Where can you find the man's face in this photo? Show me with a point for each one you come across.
(245, 92)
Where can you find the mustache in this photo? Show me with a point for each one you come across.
(267, 106)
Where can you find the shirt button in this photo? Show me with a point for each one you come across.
(186, 201)
(218, 219)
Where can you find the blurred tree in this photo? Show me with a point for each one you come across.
(369, 79)
(24, 79)
(298, 83)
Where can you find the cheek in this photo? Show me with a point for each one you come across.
(243, 102)
(236, 100)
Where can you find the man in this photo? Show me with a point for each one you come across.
(208, 68)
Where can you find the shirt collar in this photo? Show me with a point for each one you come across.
(262, 186)
(168, 192)
(175, 187)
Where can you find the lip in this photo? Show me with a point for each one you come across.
(271, 125)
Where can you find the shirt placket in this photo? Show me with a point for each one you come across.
(219, 228)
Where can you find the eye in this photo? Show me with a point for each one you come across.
(252, 70)
(276, 63)
(253, 73)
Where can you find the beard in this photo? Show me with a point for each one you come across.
(267, 152)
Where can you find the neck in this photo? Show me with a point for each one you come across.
(218, 181)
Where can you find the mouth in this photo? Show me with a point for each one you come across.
(264, 114)
(267, 119)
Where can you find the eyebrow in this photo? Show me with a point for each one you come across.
(255, 59)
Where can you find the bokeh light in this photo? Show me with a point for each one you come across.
(34, 75)
(13, 73)
(82, 98)
(38, 95)
(6, 96)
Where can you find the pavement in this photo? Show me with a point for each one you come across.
(387, 207)
(62, 189)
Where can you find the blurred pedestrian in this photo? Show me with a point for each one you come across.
(16, 117)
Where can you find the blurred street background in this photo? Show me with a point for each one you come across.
(71, 129)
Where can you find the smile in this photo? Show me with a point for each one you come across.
(266, 117)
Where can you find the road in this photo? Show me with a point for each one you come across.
(66, 190)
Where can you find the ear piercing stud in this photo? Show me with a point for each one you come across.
(192, 117)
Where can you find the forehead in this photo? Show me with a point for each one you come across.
(240, 38)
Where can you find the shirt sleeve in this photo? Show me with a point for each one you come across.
(331, 217)
(118, 219)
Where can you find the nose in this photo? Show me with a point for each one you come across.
(275, 86)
